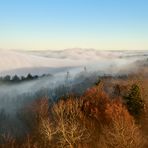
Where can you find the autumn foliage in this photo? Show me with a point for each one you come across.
(92, 120)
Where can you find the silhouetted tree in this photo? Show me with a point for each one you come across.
(29, 77)
(67, 79)
(7, 78)
(35, 77)
(23, 78)
(15, 78)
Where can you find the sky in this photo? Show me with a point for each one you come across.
(62, 24)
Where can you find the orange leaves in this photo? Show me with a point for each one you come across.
(94, 119)
(117, 111)
(95, 103)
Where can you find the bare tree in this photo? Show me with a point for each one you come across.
(71, 131)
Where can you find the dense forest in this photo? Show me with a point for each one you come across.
(90, 111)
(111, 113)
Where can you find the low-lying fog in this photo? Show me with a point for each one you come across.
(39, 62)
(76, 62)
(58, 63)
(71, 71)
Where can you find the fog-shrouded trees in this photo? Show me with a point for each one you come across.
(91, 120)
(29, 77)
(17, 78)
(7, 78)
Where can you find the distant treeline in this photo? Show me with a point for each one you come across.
(16, 78)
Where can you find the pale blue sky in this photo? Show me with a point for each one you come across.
(58, 24)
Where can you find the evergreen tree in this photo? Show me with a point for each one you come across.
(35, 77)
(7, 78)
(29, 77)
(15, 78)
(134, 102)
(23, 78)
